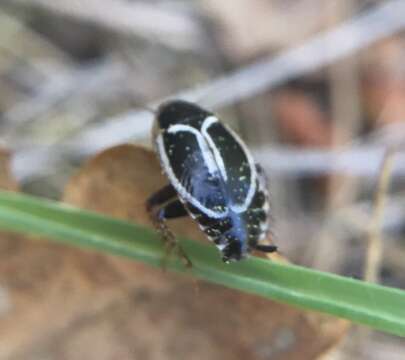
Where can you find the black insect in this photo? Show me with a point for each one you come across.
(213, 178)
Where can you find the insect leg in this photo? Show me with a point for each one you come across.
(266, 248)
(171, 210)
(161, 197)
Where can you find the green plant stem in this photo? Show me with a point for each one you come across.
(380, 307)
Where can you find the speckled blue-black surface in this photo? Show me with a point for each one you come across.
(215, 177)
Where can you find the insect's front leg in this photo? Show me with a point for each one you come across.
(173, 210)
(162, 206)
(266, 248)
(159, 198)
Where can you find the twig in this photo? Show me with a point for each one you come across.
(372, 264)
(355, 161)
(71, 83)
(351, 36)
(285, 161)
(169, 27)
(12, 28)
(249, 81)
(374, 245)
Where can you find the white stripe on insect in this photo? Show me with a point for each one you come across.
(179, 187)
(218, 158)
(220, 162)
(206, 153)
(253, 175)
(221, 246)
(213, 161)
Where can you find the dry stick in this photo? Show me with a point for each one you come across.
(64, 86)
(345, 111)
(374, 243)
(286, 161)
(357, 342)
(170, 27)
(14, 28)
(319, 51)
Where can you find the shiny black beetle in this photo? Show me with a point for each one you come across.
(213, 178)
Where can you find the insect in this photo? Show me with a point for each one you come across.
(212, 178)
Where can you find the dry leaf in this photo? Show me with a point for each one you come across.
(71, 304)
(7, 182)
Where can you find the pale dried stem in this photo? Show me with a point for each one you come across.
(155, 23)
(345, 114)
(374, 252)
(271, 71)
(374, 242)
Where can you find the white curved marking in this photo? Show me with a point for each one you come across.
(213, 161)
(179, 187)
(220, 246)
(206, 153)
(253, 175)
(218, 158)
(220, 162)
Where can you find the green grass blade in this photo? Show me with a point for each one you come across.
(377, 306)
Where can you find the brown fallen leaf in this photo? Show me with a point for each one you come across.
(118, 181)
(7, 182)
(71, 304)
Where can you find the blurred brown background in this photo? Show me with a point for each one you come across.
(317, 90)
